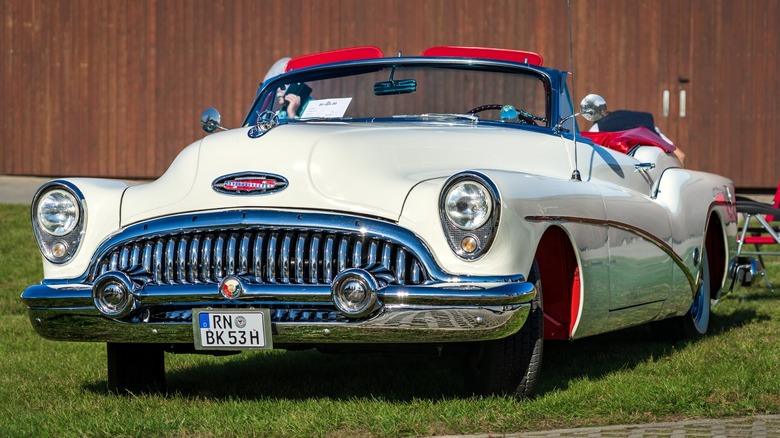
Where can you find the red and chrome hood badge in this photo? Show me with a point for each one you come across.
(249, 183)
(231, 288)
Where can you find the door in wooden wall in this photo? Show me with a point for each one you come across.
(732, 103)
(671, 95)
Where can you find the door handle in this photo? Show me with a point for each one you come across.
(682, 103)
(643, 167)
(666, 103)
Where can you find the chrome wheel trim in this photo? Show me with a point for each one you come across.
(700, 308)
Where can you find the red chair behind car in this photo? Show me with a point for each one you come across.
(766, 233)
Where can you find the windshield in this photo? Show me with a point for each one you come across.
(386, 91)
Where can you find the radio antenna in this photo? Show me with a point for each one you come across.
(575, 175)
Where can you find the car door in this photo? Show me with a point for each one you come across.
(640, 233)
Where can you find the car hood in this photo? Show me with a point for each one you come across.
(365, 169)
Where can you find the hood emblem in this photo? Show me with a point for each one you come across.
(249, 183)
(266, 121)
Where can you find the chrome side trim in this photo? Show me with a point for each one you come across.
(663, 246)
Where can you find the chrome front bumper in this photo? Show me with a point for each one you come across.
(439, 312)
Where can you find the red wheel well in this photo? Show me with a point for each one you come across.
(560, 278)
(715, 245)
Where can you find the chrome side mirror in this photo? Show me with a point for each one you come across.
(210, 120)
(593, 107)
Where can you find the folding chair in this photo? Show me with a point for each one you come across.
(765, 234)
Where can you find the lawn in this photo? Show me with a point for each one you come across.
(58, 389)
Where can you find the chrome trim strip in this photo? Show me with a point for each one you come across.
(328, 256)
(181, 266)
(314, 249)
(342, 255)
(257, 256)
(219, 257)
(158, 262)
(124, 258)
(206, 255)
(194, 250)
(284, 260)
(400, 263)
(386, 256)
(441, 294)
(170, 248)
(135, 258)
(663, 246)
(243, 255)
(230, 255)
(416, 273)
(270, 259)
(372, 251)
(357, 254)
(147, 261)
(298, 261)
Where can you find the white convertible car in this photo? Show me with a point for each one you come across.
(443, 201)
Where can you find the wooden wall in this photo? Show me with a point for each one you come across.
(116, 87)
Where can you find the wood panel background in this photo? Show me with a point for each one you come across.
(115, 88)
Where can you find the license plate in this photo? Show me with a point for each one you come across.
(232, 329)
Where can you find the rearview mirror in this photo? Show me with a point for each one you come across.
(402, 86)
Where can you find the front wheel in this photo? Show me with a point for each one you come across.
(135, 368)
(512, 365)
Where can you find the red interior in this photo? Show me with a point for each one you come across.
(624, 141)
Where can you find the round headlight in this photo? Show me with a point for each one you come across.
(57, 212)
(468, 205)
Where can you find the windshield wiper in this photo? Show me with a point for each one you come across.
(442, 116)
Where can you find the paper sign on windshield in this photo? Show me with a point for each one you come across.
(325, 108)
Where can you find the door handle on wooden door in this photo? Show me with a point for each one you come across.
(666, 103)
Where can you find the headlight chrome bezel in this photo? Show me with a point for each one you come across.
(58, 246)
(470, 241)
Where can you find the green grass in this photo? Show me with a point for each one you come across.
(58, 389)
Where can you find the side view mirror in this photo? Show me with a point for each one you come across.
(210, 120)
(593, 107)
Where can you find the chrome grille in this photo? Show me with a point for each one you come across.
(278, 256)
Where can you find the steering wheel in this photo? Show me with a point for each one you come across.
(497, 106)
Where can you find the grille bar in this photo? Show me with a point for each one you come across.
(278, 256)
